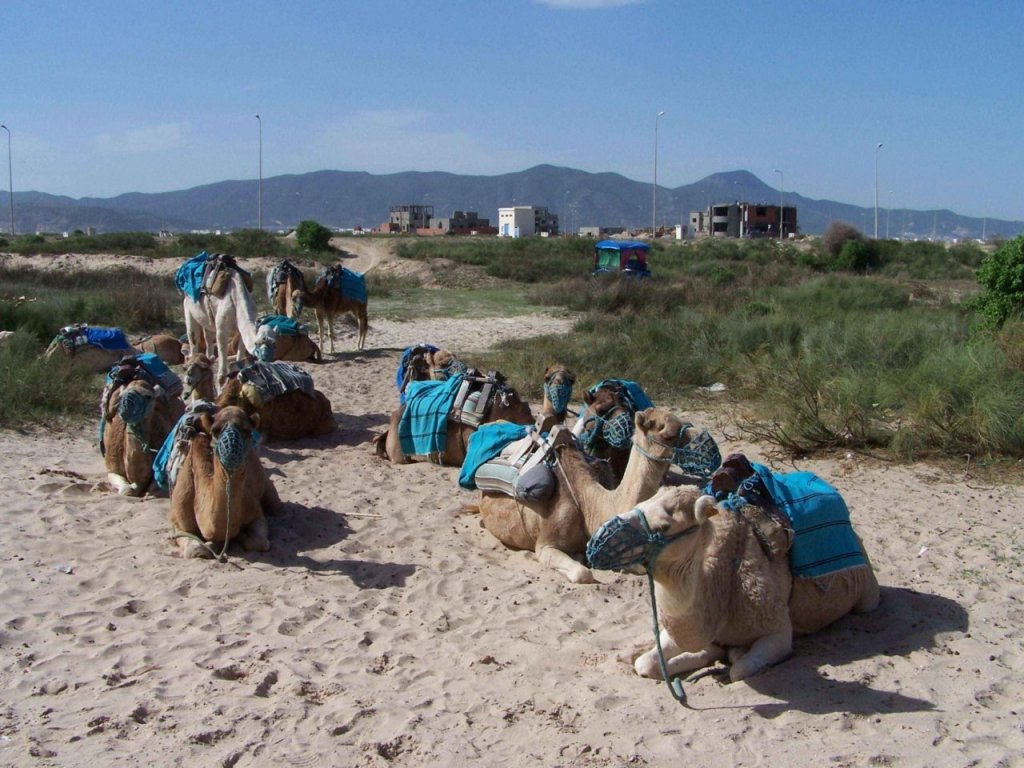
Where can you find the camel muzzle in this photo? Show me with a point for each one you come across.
(231, 447)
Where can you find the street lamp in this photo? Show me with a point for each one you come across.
(10, 177)
(654, 191)
(782, 206)
(876, 189)
(259, 192)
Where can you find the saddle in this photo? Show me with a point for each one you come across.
(217, 274)
(521, 470)
(280, 275)
(475, 396)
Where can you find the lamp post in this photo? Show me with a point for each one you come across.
(876, 189)
(259, 192)
(10, 177)
(654, 190)
(782, 199)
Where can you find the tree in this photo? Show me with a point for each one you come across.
(837, 235)
(313, 236)
(1001, 276)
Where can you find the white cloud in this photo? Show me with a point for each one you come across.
(145, 140)
(574, 5)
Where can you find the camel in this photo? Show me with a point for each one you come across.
(168, 348)
(604, 426)
(199, 379)
(558, 384)
(425, 362)
(328, 301)
(297, 347)
(219, 318)
(585, 495)
(724, 588)
(282, 283)
(222, 491)
(288, 416)
(505, 405)
(73, 342)
(138, 418)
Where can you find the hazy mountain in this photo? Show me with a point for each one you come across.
(349, 199)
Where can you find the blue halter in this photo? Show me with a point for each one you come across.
(559, 395)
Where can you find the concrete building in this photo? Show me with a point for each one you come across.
(743, 220)
(408, 218)
(460, 223)
(526, 221)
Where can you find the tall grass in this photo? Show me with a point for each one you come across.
(37, 390)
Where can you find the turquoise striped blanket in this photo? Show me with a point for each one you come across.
(486, 443)
(423, 427)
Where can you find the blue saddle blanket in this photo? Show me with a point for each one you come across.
(403, 364)
(283, 326)
(189, 277)
(112, 339)
(423, 427)
(486, 443)
(824, 540)
(351, 284)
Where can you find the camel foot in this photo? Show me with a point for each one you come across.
(122, 486)
(190, 549)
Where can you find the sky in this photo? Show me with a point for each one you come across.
(103, 98)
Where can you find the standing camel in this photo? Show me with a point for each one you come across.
(329, 300)
(219, 318)
(282, 283)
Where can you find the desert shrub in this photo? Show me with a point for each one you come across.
(384, 284)
(837, 234)
(254, 243)
(110, 242)
(40, 390)
(1001, 276)
(858, 256)
(312, 236)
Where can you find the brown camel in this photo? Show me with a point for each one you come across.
(200, 380)
(72, 344)
(724, 587)
(282, 283)
(168, 348)
(137, 421)
(288, 416)
(328, 302)
(222, 491)
(505, 405)
(584, 497)
(558, 384)
(606, 409)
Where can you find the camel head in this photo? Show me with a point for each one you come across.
(199, 378)
(266, 338)
(659, 433)
(298, 302)
(602, 400)
(442, 365)
(558, 384)
(135, 402)
(637, 537)
(231, 430)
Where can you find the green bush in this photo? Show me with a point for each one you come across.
(313, 236)
(1001, 276)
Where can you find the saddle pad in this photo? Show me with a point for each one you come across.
(112, 339)
(171, 455)
(273, 379)
(824, 540)
(189, 277)
(484, 444)
(283, 326)
(423, 427)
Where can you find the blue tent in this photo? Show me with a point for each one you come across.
(628, 257)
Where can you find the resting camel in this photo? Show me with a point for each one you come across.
(218, 499)
(584, 498)
(724, 587)
(601, 426)
(89, 357)
(288, 416)
(168, 348)
(328, 302)
(506, 405)
(138, 419)
(296, 347)
(219, 318)
(558, 384)
(282, 283)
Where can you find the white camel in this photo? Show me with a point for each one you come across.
(218, 319)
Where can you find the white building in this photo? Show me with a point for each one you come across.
(517, 221)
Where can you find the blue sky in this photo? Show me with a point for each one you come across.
(109, 97)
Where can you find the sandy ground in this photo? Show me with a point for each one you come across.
(386, 627)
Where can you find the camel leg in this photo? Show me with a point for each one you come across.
(363, 322)
(678, 660)
(253, 537)
(270, 501)
(552, 557)
(767, 650)
(183, 518)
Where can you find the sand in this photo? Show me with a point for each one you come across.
(386, 627)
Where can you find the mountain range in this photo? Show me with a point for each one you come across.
(347, 199)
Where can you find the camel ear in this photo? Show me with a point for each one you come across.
(548, 371)
(640, 419)
(704, 509)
